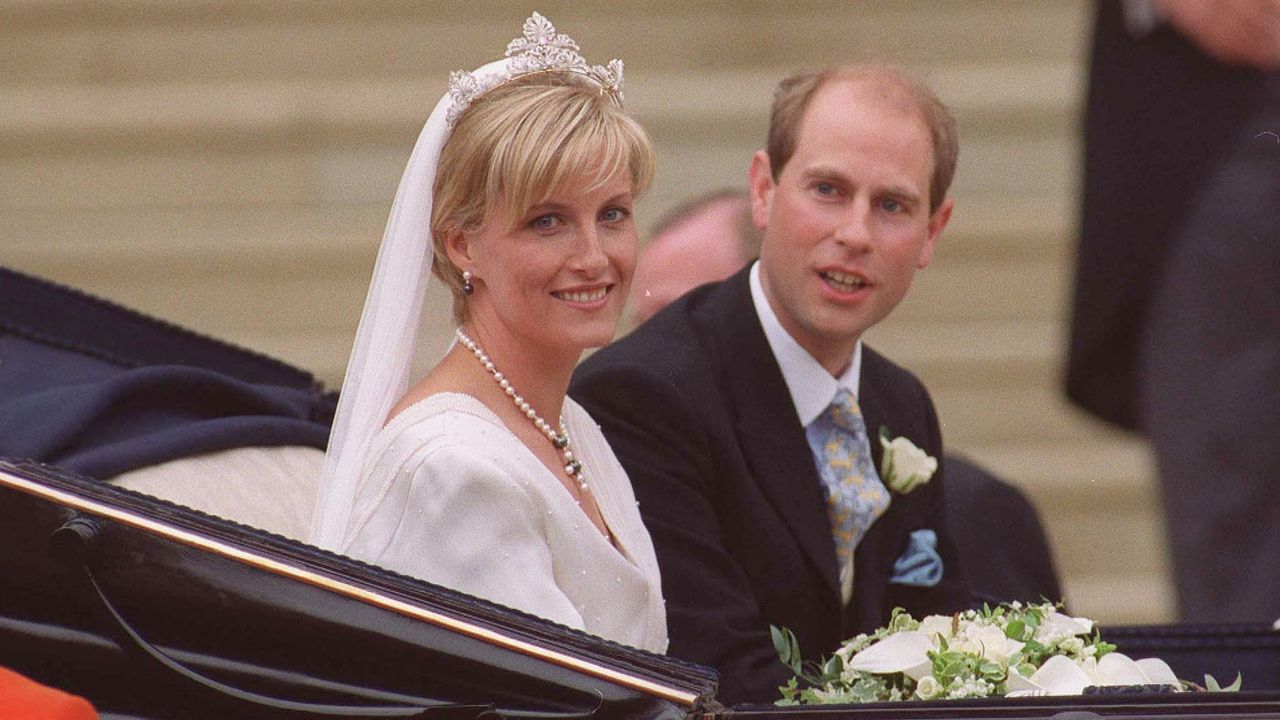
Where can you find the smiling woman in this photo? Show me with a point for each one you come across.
(483, 476)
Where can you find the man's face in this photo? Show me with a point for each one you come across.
(847, 222)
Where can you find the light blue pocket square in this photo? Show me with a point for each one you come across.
(920, 565)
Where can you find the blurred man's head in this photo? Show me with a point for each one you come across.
(703, 240)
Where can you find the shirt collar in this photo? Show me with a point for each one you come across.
(812, 388)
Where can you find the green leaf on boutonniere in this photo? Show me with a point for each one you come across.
(886, 457)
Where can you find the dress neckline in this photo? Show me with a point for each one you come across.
(471, 405)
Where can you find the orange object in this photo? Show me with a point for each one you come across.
(22, 697)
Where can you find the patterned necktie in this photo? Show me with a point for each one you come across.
(855, 495)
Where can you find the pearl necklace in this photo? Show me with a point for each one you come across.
(572, 466)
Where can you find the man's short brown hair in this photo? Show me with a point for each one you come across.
(792, 96)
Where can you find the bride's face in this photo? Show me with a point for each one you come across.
(560, 277)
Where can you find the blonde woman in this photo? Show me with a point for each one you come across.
(482, 475)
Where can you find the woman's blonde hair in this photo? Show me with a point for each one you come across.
(523, 141)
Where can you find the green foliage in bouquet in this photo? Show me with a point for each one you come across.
(1011, 649)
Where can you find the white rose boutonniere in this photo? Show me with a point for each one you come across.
(903, 466)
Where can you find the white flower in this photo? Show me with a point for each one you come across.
(968, 687)
(935, 625)
(851, 647)
(988, 642)
(1158, 672)
(1073, 646)
(1057, 627)
(904, 466)
(904, 652)
(928, 688)
(1118, 669)
(1060, 675)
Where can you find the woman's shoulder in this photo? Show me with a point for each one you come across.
(449, 442)
(438, 421)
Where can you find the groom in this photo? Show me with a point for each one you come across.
(748, 413)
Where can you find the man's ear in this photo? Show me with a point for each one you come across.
(760, 182)
(937, 221)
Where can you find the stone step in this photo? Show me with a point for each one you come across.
(1122, 598)
(1106, 538)
(934, 348)
(233, 243)
(42, 41)
(1073, 474)
(1010, 413)
(686, 109)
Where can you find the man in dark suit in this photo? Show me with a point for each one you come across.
(1173, 332)
(721, 407)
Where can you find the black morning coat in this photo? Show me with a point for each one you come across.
(695, 406)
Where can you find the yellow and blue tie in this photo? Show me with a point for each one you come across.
(852, 487)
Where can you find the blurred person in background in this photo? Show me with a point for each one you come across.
(1176, 325)
(704, 239)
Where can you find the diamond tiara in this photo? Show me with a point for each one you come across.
(540, 49)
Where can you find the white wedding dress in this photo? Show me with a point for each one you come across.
(451, 496)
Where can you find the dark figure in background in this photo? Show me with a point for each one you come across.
(704, 239)
(1176, 325)
(999, 537)
(718, 405)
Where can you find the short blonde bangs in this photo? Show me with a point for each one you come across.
(584, 144)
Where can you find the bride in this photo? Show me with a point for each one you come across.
(483, 476)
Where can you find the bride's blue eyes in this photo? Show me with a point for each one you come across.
(544, 222)
(615, 214)
(551, 221)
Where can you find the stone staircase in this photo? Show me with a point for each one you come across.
(229, 165)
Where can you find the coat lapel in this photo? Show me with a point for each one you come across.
(876, 553)
(768, 428)
(873, 416)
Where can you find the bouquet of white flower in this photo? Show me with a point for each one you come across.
(1007, 651)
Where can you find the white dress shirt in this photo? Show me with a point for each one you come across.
(812, 388)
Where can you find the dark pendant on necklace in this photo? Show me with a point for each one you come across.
(573, 467)
(561, 441)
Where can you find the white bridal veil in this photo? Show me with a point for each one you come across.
(378, 372)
